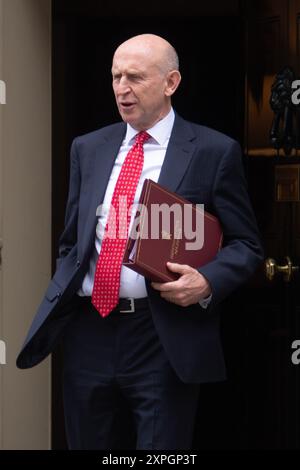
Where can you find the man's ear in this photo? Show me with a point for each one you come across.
(173, 80)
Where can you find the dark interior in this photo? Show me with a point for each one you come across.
(212, 44)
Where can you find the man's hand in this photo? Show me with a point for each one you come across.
(187, 290)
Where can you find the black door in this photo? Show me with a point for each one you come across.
(272, 331)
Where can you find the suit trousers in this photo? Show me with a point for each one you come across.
(121, 356)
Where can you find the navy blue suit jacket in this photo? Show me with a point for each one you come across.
(202, 165)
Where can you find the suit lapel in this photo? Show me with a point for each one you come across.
(178, 156)
(105, 157)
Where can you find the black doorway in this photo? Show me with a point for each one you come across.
(210, 49)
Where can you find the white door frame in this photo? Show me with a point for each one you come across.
(25, 214)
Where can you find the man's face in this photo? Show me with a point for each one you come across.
(139, 87)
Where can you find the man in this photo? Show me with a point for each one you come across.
(158, 347)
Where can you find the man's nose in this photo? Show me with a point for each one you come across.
(123, 86)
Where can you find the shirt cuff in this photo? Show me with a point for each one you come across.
(204, 303)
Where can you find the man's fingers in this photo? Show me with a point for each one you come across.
(172, 285)
(164, 286)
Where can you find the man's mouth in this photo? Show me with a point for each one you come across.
(127, 105)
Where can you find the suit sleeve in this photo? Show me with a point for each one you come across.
(69, 236)
(242, 251)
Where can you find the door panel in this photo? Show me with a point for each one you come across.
(272, 310)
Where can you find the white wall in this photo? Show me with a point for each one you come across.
(25, 213)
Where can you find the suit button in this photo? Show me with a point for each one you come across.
(77, 263)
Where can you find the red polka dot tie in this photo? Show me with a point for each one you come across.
(105, 295)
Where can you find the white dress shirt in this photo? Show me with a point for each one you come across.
(132, 284)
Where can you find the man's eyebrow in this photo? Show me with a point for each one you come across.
(128, 72)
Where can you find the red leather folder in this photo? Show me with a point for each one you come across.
(155, 239)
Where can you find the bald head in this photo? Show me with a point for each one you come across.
(145, 76)
(155, 48)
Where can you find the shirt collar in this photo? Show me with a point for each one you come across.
(160, 132)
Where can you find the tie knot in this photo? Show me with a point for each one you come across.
(141, 137)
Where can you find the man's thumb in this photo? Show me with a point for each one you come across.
(177, 268)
